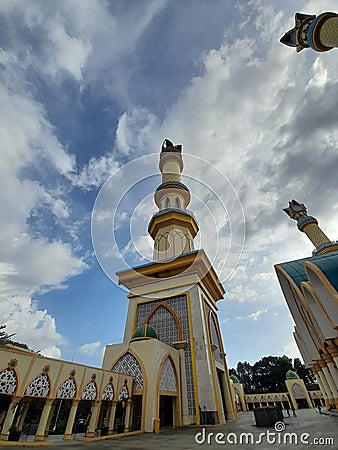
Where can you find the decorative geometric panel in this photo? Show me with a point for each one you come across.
(7, 381)
(90, 391)
(215, 339)
(124, 393)
(67, 389)
(128, 364)
(168, 378)
(38, 387)
(165, 324)
(298, 391)
(108, 392)
(166, 327)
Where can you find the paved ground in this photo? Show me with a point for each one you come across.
(308, 426)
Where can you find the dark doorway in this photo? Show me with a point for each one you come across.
(220, 376)
(137, 412)
(166, 411)
(82, 417)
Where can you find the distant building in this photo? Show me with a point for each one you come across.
(310, 288)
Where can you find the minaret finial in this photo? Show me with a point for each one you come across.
(173, 228)
(309, 225)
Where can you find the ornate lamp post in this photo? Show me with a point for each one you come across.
(317, 32)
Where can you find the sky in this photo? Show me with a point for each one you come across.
(89, 90)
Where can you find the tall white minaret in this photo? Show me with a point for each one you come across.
(309, 226)
(173, 228)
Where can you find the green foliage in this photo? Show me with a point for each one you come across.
(268, 374)
(4, 337)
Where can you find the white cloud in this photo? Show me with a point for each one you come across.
(90, 349)
(290, 349)
(253, 316)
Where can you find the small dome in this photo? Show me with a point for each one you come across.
(290, 374)
(234, 379)
(145, 332)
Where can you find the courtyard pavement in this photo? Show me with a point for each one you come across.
(309, 428)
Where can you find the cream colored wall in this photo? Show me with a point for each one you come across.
(30, 366)
(150, 354)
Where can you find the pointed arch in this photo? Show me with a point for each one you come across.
(90, 391)
(168, 380)
(172, 313)
(129, 365)
(67, 389)
(39, 387)
(108, 392)
(9, 379)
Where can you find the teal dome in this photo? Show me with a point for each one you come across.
(234, 379)
(145, 332)
(290, 375)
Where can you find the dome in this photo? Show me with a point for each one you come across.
(234, 379)
(290, 374)
(145, 332)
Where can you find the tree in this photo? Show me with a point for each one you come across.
(305, 374)
(244, 373)
(269, 373)
(4, 337)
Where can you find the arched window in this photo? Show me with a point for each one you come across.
(128, 364)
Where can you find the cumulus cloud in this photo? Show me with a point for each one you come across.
(90, 349)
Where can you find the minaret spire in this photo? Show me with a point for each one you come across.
(173, 228)
(309, 225)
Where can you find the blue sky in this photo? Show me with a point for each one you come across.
(87, 88)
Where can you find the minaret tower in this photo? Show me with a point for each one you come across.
(173, 228)
(309, 225)
(172, 311)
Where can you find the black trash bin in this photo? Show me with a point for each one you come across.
(104, 431)
(267, 416)
(120, 428)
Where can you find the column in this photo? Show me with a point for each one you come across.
(40, 434)
(326, 388)
(333, 350)
(70, 421)
(24, 410)
(331, 384)
(93, 419)
(9, 418)
(180, 346)
(112, 417)
(127, 416)
(332, 369)
(228, 392)
(315, 369)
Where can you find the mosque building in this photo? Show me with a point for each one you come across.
(310, 288)
(170, 369)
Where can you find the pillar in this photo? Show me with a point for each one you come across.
(228, 392)
(332, 369)
(327, 389)
(9, 418)
(333, 350)
(180, 346)
(70, 421)
(93, 419)
(332, 385)
(40, 434)
(24, 410)
(112, 418)
(127, 415)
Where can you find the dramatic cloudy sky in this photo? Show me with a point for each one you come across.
(87, 87)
